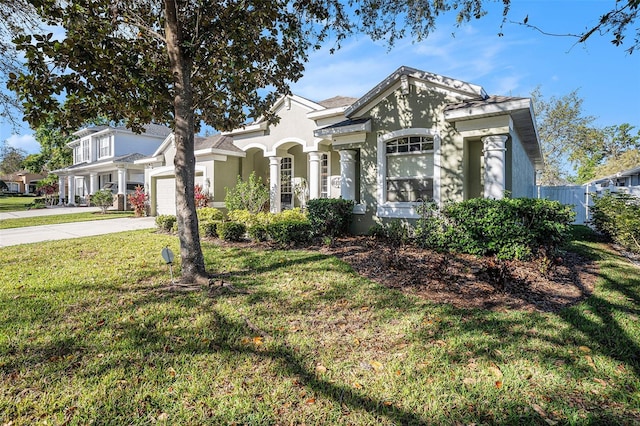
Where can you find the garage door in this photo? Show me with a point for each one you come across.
(166, 194)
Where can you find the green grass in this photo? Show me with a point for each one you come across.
(13, 203)
(62, 218)
(89, 334)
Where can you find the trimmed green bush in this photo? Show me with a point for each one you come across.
(208, 220)
(166, 222)
(330, 216)
(209, 228)
(289, 232)
(617, 215)
(209, 213)
(509, 228)
(258, 232)
(102, 199)
(231, 231)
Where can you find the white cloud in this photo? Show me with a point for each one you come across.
(27, 143)
(470, 55)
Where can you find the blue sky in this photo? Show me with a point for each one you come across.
(607, 77)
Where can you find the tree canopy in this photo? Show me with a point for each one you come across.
(11, 159)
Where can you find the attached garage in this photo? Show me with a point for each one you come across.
(165, 194)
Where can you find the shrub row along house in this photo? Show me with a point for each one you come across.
(414, 136)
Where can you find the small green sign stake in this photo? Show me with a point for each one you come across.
(168, 257)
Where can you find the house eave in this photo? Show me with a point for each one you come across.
(207, 151)
(327, 113)
(262, 126)
(343, 130)
(468, 89)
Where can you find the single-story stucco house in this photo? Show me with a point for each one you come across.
(22, 182)
(104, 157)
(414, 136)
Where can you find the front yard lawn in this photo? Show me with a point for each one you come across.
(62, 218)
(91, 333)
(13, 203)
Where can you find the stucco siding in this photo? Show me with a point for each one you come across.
(522, 170)
(126, 143)
(225, 175)
(293, 126)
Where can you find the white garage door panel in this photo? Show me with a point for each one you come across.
(166, 194)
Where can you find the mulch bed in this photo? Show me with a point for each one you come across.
(466, 281)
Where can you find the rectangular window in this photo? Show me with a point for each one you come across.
(403, 190)
(286, 187)
(324, 176)
(76, 154)
(86, 153)
(104, 146)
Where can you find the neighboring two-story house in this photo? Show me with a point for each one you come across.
(414, 136)
(104, 157)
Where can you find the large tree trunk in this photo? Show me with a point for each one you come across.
(193, 269)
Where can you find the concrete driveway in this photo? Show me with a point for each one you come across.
(35, 234)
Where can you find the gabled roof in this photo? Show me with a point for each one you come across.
(219, 143)
(338, 101)
(459, 86)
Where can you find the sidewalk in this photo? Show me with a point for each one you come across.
(49, 211)
(35, 234)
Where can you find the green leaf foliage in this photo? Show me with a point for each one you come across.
(251, 195)
(102, 199)
(509, 228)
(231, 231)
(330, 216)
(617, 215)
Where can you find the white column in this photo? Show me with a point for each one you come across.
(494, 167)
(71, 181)
(348, 174)
(122, 181)
(93, 183)
(314, 175)
(61, 192)
(274, 183)
(26, 185)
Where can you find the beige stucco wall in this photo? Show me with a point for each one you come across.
(293, 126)
(225, 175)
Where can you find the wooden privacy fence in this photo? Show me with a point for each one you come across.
(580, 197)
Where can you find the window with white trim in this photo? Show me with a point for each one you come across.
(409, 169)
(104, 146)
(76, 155)
(86, 153)
(286, 184)
(324, 176)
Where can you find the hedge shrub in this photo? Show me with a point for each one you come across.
(166, 222)
(231, 231)
(330, 216)
(508, 228)
(617, 215)
(289, 232)
(208, 220)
